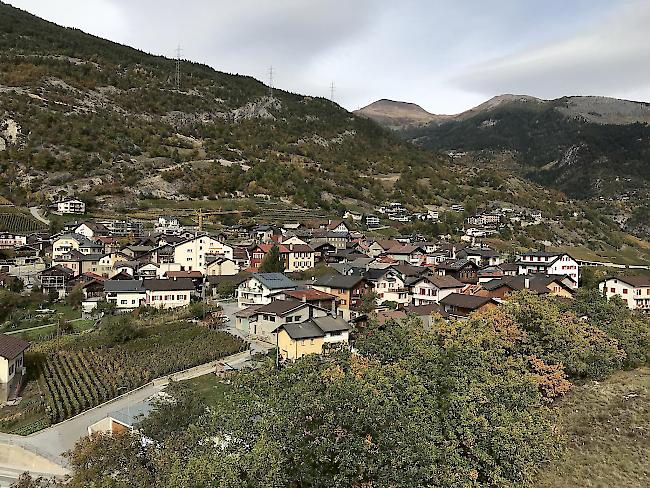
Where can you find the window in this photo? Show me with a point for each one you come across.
(123, 302)
(11, 369)
(612, 290)
(624, 291)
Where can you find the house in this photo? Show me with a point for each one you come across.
(123, 228)
(12, 366)
(244, 318)
(348, 291)
(259, 252)
(91, 230)
(314, 297)
(379, 247)
(267, 318)
(11, 241)
(489, 273)
(85, 263)
(633, 290)
(322, 250)
(406, 253)
(167, 225)
(71, 206)
(55, 279)
(171, 293)
(338, 239)
(433, 288)
(389, 285)
(300, 257)
(126, 295)
(463, 270)
(461, 305)
(509, 269)
(122, 421)
(502, 288)
(372, 221)
(68, 242)
(480, 256)
(313, 336)
(192, 254)
(261, 288)
(220, 266)
(550, 263)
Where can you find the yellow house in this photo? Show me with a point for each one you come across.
(295, 340)
(300, 257)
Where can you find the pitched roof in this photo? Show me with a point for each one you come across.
(302, 330)
(248, 311)
(237, 279)
(281, 307)
(442, 282)
(635, 281)
(123, 286)
(180, 284)
(274, 281)
(405, 249)
(471, 302)
(456, 265)
(11, 347)
(310, 295)
(331, 324)
(424, 310)
(184, 274)
(344, 282)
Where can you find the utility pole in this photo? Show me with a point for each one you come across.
(332, 88)
(271, 81)
(178, 67)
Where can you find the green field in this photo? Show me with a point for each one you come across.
(607, 430)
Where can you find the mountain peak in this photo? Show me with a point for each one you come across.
(396, 114)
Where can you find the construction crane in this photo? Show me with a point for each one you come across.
(201, 214)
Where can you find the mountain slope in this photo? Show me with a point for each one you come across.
(396, 115)
(584, 146)
(82, 115)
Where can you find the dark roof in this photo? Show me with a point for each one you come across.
(274, 281)
(475, 251)
(470, 302)
(280, 307)
(303, 330)
(310, 295)
(338, 281)
(57, 270)
(248, 311)
(456, 265)
(10, 346)
(509, 266)
(424, 310)
(410, 270)
(185, 284)
(331, 324)
(237, 279)
(496, 284)
(636, 281)
(123, 286)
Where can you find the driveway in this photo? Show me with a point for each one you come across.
(36, 213)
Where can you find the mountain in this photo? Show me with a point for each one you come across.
(84, 116)
(397, 115)
(584, 146)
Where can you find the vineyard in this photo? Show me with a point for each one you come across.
(16, 221)
(75, 380)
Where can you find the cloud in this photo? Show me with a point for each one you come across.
(607, 58)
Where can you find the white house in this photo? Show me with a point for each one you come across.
(12, 366)
(260, 288)
(172, 293)
(634, 290)
(167, 225)
(267, 318)
(9, 241)
(390, 287)
(550, 263)
(68, 242)
(432, 289)
(192, 254)
(125, 294)
(71, 207)
(91, 229)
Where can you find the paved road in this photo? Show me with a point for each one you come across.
(36, 213)
(53, 442)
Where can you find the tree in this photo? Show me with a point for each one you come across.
(273, 261)
(368, 302)
(226, 289)
(75, 297)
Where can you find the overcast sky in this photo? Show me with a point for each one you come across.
(446, 55)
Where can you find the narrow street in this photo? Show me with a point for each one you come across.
(36, 213)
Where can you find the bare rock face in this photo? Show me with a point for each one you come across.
(259, 109)
(9, 132)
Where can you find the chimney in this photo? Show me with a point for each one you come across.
(304, 299)
(291, 247)
(334, 307)
(527, 283)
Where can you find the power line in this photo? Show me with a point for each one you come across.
(178, 67)
(271, 71)
(332, 89)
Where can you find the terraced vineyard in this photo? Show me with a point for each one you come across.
(75, 380)
(13, 220)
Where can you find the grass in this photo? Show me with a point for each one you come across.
(210, 388)
(607, 429)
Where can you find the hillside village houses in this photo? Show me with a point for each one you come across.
(71, 206)
(329, 270)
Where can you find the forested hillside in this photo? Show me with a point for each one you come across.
(79, 114)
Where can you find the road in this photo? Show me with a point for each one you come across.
(36, 213)
(48, 446)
